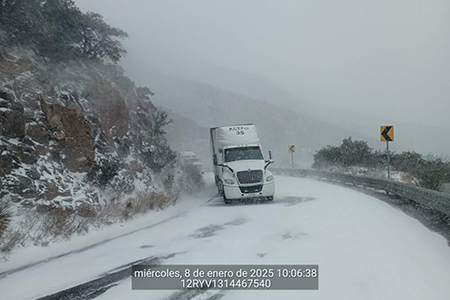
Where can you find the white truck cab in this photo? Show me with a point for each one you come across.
(240, 170)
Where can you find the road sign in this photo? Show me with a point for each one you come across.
(291, 148)
(387, 133)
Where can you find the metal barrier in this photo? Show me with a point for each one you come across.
(428, 198)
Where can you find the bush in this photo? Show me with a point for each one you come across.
(433, 174)
(143, 203)
(102, 173)
(161, 157)
(350, 153)
(408, 161)
(58, 30)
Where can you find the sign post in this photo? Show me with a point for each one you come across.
(387, 135)
(292, 150)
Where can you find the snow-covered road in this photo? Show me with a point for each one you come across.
(365, 248)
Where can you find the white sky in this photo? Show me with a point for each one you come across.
(388, 60)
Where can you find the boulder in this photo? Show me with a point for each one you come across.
(6, 161)
(20, 185)
(12, 120)
(37, 133)
(33, 173)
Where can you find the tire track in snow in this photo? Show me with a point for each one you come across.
(6, 273)
(190, 294)
(96, 287)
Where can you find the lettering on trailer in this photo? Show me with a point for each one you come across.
(291, 148)
(387, 133)
(240, 130)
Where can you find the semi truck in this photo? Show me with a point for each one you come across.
(189, 158)
(240, 170)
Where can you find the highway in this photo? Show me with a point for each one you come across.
(365, 249)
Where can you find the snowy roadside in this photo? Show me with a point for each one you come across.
(31, 255)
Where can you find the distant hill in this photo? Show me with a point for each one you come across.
(207, 106)
(409, 135)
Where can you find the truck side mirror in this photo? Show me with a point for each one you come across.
(215, 159)
(270, 161)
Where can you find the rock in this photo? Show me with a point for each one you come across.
(43, 208)
(27, 203)
(33, 173)
(111, 110)
(12, 121)
(30, 192)
(37, 133)
(6, 161)
(27, 156)
(79, 148)
(51, 192)
(42, 150)
(5, 96)
(58, 135)
(57, 121)
(15, 198)
(19, 185)
(52, 113)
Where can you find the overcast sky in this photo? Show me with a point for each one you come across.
(389, 59)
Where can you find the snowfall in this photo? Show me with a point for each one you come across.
(365, 248)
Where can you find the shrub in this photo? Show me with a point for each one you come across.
(162, 156)
(349, 153)
(101, 173)
(433, 174)
(11, 240)
(58, 30)
(145, 202)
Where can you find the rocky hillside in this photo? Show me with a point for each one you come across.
(76, 133)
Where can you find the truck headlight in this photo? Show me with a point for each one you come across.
(269, 178)
(229, 181)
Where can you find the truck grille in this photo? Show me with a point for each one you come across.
(246, 177)
(251, 189)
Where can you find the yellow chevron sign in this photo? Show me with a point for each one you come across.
(387, 133)
(291, 148)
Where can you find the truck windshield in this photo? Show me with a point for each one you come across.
(243, 153)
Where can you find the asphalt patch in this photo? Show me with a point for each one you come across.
(290, 201)
(210, 230)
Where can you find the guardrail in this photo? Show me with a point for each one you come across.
(428, 198)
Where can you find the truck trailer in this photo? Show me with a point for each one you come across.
(240, 170)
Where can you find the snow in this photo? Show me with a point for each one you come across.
(14, 141)
(365, 248)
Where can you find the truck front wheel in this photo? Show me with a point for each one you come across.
(226, 200)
